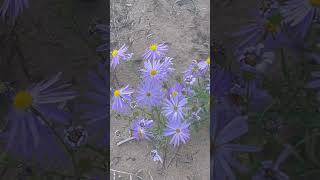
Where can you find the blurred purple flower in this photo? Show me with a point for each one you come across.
(141, 129)
(222, 81)
(179, 130)
(266, 29)
(224, 130)
(27, 134)
(204, 66)
(193, 70)
(189, 80)
(299, 14)
(155, 51)
(270, 169)
(119, 54)
(174, 107)
(121, 100)
(96, 111)
(11, 9)
(149, 94)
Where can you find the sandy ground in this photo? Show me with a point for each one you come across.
(184, 25)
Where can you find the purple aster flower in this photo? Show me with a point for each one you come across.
(13, 8)
(271, 170)
(256, 59)
(96, 112)
(179, 130)
(155, 70)
(175, 90)
(174, 107)
(119, 54)
(204, 66)
(149, 94)
(193, 70)
(155, 51)
(224, 130)
(121, 100)
(141, 129)
(167, 64)
(27, 134)
(266, 28)
(299, 14)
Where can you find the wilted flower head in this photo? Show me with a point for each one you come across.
(119, 54)
(179, 130)
(121, 100)
(149, 94)
(270, 169)
(155, 156)
(189, 80)
(141, 129)
(13, 8)
(75, 136)
(155, 51)
(255, 59)
(174, 108)
(155, 70)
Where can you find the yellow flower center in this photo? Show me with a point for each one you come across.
(22, 100)
(178, 130)
(270, 27)
(153, 47)
(315, 3)
(114, 53)
(117, 93)
(153, 72)
(174, 93)
(208, 60)
(194, 69)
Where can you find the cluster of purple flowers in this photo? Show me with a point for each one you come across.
(153, 95)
